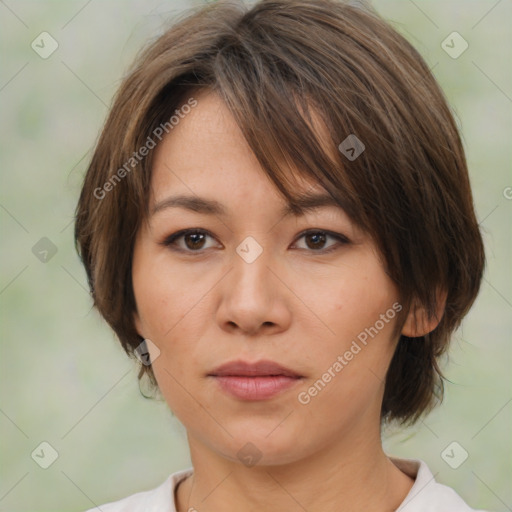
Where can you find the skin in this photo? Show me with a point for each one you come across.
(295, 304)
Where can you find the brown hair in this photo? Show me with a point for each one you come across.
(274, 64)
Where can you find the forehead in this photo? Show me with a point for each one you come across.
(207, 154)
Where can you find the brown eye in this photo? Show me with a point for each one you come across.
(188, 240)
(316, 241)
(194, 241)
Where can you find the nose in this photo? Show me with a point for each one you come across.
(254, 299)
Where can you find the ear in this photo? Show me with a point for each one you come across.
(418, 322)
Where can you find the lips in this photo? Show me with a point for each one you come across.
(254, 381)
(257, 369)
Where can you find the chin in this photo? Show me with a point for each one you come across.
(262, 446)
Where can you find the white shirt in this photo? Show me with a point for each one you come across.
(426, 495)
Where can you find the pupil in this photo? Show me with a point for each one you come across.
(194, 244)
(318, 239)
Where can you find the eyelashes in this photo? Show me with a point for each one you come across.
(193, 240)
(199, 234)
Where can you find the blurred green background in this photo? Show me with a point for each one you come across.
(64, 377)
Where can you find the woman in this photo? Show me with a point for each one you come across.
(277, 222)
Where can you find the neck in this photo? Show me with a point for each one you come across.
(353, 475)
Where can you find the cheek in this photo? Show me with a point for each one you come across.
(170, 319)
(172, 305)
(349, 298)
(356, 304)
(165, 294)
(351, 370)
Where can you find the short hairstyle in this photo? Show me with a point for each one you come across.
(273, 64)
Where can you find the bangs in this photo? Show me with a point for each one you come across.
(286, 128)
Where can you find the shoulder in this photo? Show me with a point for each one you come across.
(426, 494)
(159, 499)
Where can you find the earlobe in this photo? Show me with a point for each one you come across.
(418, 323)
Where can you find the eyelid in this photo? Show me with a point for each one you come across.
(340, 236)
(168, 241)
(341, 240)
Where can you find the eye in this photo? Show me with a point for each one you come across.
(193, 240)
(316, 240)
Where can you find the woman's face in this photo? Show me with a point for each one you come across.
(251, 286)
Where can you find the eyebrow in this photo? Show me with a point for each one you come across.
(302, 204)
